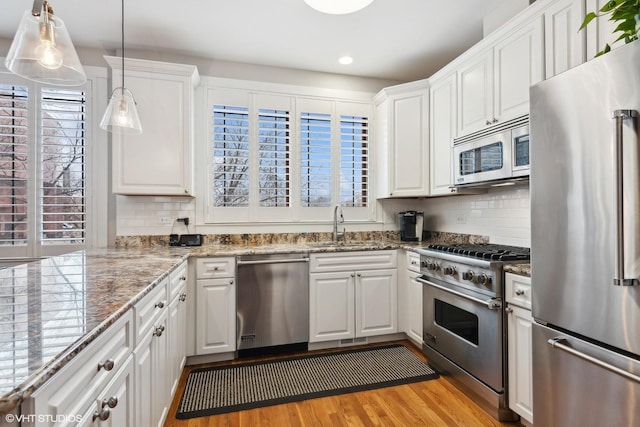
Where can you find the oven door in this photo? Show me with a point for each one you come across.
(483, 159)
(465, 327)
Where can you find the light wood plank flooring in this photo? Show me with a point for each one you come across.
(428, 403)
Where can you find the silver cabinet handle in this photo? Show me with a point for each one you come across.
(160, 304)
(103, 414)
(519, 292)
(492, 304)
(158, 331)
(183, 278)
(112, 402)
(231, 282)
(508, 310)
(183, 296)
(353, 274)
(557, 342)
(273, 261)
(620, 116)
(216, 268)
(107, 365)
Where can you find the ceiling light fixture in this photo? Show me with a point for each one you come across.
(338, 7)
(345, 60)
(42, 49)
(121, 115)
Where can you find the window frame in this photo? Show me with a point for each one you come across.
(98, 202)
(271, 96)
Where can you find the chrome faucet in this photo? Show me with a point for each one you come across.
(337, 235)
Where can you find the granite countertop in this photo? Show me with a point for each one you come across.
(53, 308)
(521, 269)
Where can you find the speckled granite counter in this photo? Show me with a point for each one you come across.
(521, 269)
(52, 309)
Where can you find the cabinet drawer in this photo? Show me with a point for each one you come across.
(518, 290)
(76, 386)
(350, 261)
(146, 312)
(413, 261)
(177, 278)
(213, 268)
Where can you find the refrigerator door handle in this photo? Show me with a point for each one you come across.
(620, 280)
(558, 342)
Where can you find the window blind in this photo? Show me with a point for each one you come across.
(230, 156)
(273, 158)
(315, 159)
(354, 161)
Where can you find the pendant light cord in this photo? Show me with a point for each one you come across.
(122, 33)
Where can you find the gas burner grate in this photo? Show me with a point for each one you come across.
(486, 251)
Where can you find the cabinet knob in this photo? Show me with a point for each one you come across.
(159, 330)
(186, 191)
(215, 268)
(103, 414)
(508, 310)
(353, 274)
(359, 275)
(107, 365)
(231, 282)
(494, 120)
(183, 296)
(519, 292)
(183, 278)
(488, 122)
(160, 304)
(111, 402)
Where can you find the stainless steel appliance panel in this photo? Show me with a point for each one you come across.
(466, 327)
(574, 193)
(272, 300)
(574, 384)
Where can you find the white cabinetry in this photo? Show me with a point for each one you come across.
(151, 355)
(215, 305)
(442, 128)
(519, 348)
(563, 44)
(98, 381)
(403, 112)
(177, 324)
(410, 298)
(160, 160)
(493, 84)
(352, 294)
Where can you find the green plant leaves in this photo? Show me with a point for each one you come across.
(622, 12)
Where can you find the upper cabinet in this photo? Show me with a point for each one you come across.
(160, 160)
(402, 112)
(442, 130)
(493, 84)
(563, 44)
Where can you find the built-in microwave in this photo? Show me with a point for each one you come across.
(492, 155)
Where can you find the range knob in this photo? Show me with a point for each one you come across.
(483, 279)
(432, 266)
(469, 275)
(450, 271)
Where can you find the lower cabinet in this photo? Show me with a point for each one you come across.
(519, 347)
(352, 303)
(116, 406)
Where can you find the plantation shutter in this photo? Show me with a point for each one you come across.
(274, 157)
(230, 156)
(354, 161)
(62, 166)
(315, 159)
(13, 165)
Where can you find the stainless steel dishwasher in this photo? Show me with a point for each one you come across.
(272, 303)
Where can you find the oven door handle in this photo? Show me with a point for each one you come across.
(492, 303)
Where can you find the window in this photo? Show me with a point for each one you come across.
(45, 168)
(267, 166)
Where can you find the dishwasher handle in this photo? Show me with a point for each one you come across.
(273, 261)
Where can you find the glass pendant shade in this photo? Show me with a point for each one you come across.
(121, 115)
(338, 7)
(42, 51)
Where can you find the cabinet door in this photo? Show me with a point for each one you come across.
(215, 316)
(331, 306)
(519, 63)
(119, 398)
(442, 131)
(160, 370)
(177, 330)
(563, 44)
(475, 93)
(415, 308)
(409, 149)
(376, 302)
(520, 362)
(158, 161)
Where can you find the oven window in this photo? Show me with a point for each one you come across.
(521, 144)
(482, 159)
(458, 321)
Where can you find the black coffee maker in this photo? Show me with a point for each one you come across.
(411, 226)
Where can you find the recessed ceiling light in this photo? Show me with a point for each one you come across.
(338, 7)
(345, 60)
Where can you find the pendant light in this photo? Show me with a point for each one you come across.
(121, 115)
(42, 49)
(338, 7)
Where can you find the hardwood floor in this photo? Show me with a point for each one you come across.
(429, 403)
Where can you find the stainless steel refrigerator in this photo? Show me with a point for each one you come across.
(585, 243)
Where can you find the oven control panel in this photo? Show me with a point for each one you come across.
(480, 279)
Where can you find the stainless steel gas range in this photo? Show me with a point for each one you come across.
(464, 322)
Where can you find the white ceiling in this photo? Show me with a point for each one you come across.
(399, 40)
